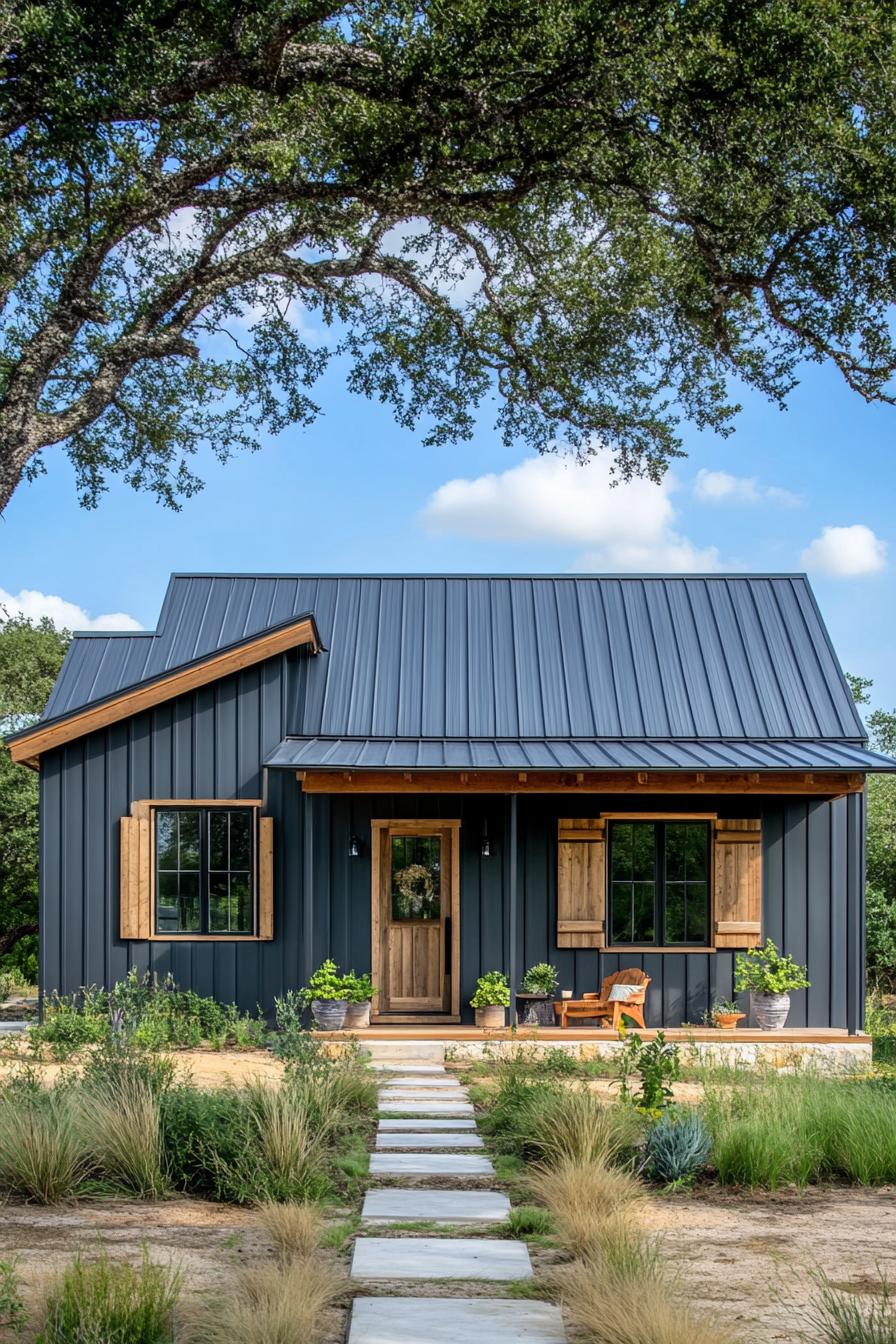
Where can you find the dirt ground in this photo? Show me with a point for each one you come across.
(206, 1068)
(746, 1258)
(750, 1258)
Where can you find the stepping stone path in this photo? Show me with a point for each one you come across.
(408, 1143)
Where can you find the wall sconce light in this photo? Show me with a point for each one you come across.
(486, 850)
(354, 847)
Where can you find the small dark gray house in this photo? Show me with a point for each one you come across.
(431, 777)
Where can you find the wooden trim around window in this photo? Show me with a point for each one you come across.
(827, 784)
(137, 887)
(42, 737)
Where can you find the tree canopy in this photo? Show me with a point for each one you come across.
(31, 654)
(599, 215)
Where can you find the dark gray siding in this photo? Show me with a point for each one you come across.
(211, 743)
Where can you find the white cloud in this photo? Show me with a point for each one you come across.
(713, 487)
(846, 551)
(628, 526)
(28, 602)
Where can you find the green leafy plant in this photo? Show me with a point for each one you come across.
(113, 1302)
(541, 979)
(358, 988)
(678, 1147)
(325, 984)
(13, 1315)
(764, 970)
(657, 1064)
(492, 991)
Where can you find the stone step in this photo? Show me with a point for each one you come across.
(426, 1107)
(423, 1082)
(429, 1164)
(432, 1070)
(440, 1258)
(419, 1125)
(449, 1207)
(454, 1320)
(428, 1142)
(391, 1051)
(446, 1097)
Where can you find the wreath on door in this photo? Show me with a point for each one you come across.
(417, 892)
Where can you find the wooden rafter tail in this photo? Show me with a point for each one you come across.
(830, 784)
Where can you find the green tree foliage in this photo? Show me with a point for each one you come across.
(880, 844)
(31, 654)
(598, 215)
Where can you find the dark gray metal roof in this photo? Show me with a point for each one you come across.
(366, 753)
(569, 658)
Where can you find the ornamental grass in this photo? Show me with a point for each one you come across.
(110, 1302)
(281, 1303)
(43, 1155)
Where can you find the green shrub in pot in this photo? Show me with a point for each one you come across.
(541, 979)
(769, 976)
(491, 997)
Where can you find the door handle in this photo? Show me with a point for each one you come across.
(447, 937)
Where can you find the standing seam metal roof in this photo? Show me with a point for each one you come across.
(526, 658)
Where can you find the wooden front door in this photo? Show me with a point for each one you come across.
(416, 933)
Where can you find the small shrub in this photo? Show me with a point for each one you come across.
(541, 978)
(678, 1146)
(43, 1157)
(67, 1027)
(208, 1144)
(842, 1318)
(295, 1229)
(106, 1302)
(122, 1132)
(13, 1315)
(492, 991)
(292, 1041)
(273, 1304)
(120, 1060)
(584, 1198)
(528, 1220)
(658, 1064)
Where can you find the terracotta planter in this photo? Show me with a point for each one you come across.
(728, 1021)
(357, 1016)
(492, 1016)
(770, 1010)
(329, 1014)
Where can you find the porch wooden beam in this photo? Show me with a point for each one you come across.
(827, 785)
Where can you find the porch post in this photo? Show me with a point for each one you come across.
(308, 885)
(512, 905)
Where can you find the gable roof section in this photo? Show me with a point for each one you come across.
(99, 669)
(522, 659)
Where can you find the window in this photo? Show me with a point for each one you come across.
(659, 883)
(205, 870)
(416, 877)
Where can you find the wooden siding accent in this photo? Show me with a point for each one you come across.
(737, 883)
(101, 715)
(265, 925)
(581, 882)
(828, 785)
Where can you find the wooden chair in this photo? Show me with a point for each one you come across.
(599, 1005)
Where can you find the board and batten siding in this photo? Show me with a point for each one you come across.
(211, 743)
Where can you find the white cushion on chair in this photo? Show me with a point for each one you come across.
(622, 993)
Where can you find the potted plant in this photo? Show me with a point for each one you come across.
(359, 991)
(769, 977)
(326, 994)
(725, 1014)
(491, 998)
(537, 994)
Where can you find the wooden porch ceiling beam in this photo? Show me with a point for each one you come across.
(827, 785)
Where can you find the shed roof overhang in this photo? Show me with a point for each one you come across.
(430, 765)
(27, 746)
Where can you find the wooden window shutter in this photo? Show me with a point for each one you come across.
(581, 882)
(737, 883)
(266, 878)
(135, 916)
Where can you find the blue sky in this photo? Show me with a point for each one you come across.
(356, 493)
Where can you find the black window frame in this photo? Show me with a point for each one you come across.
(205, 811)
(659, 894)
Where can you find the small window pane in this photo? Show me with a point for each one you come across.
(217, 841)
(240, 903)
(675, 913)
(643, 909)
(166, 839)
(416, 877)
(240, 841)
(697, 929)
(189, 839)
(190, 921)
(219, 903)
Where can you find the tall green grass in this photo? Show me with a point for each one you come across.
(551, 1123)
(842, 1318)
(43, 1153)
(109, 1302)
(774, 1130)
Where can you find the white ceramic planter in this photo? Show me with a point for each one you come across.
(770, 1010)
(329, 1014)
